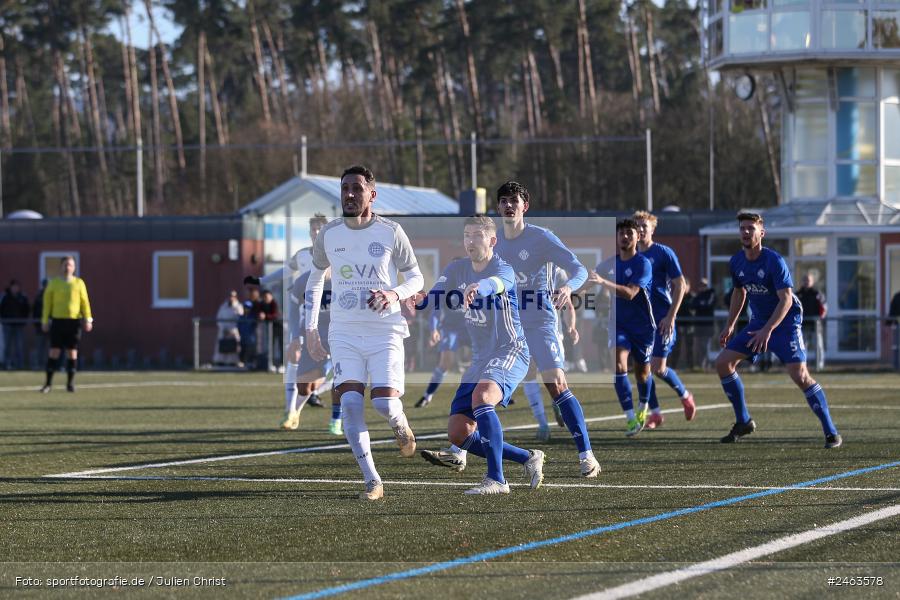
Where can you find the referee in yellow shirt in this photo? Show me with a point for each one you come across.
(66, 306)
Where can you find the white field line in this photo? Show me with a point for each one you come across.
(175, 383)
(654, 582)
(291, 480)
(194, 461)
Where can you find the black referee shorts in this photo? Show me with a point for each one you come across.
(65, 333)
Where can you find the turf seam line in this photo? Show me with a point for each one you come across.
(483, 556)
(654, 582)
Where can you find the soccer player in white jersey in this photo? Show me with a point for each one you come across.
(365, 253)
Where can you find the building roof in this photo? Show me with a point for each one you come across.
(831, 215)
(392, 199)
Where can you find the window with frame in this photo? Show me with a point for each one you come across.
(173, 279)
(48, 265)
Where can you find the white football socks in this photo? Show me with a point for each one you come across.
(357, 433)
(391, 409)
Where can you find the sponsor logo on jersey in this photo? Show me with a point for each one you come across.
(376, 249)
(364, 271)
(348, 300)
(523, 254)
(741, 274)
(340, 249)
(521, 277)
(476, 317)
(756, 288)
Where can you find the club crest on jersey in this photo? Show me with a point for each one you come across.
(348, 300)
(376, 249)
(761, 273)
(523, 254)
(441, 279)
(628, 272)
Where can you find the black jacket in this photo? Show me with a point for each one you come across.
(14, 307)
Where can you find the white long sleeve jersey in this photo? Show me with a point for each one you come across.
(363, 259)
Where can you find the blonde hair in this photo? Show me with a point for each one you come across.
(482, 221)
(643, 215)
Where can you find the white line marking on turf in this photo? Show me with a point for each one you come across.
(194, 461)
(292, 480)
(135, 384)
(728, 561)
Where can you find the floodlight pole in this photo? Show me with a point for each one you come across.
(649, 171)
(303, 149)
(473, 150)
(140, 177)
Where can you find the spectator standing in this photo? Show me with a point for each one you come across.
(268, 314)
(13, 313)
(248, 325)
(815, 308)
(228, 338)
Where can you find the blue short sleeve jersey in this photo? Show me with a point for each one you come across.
(665, 267)
(761, 279)
(636, 312)
(493, 322)
(532, 255)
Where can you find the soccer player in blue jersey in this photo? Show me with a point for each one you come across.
(448, 333)
(629, 276)
(666, 293)
(761, 276)
(532, 251)
(486, 286)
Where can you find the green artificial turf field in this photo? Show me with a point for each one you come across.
(181, 475)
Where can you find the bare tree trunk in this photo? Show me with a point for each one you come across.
(385, 91)
(529, 99)
(440, 89)
(472, 74)
(201, 111)
(537, 91)
(4, 99)
(93, 97)
(221, 129)
(651, 56)
(259, 74)
(454, 118)
(65, 124)
(277, 58)
(357, 86)
(158, 159)
(126, 79)
(634, 64)
(133, 76)
(770, 144)
(553, 49)
(588, 64)
(170, 88)
(638, 72)
(420, 147)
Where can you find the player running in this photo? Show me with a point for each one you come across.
(666, 293)
(629, 276)
(761, 276)
(532, 251)
(499, 358)
(365, 253)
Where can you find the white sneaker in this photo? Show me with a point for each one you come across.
(445, 458)
(374, 491)
(590, 467)
(534, 469)
(488, 487)
(405, 439)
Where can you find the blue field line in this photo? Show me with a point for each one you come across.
(466, 560)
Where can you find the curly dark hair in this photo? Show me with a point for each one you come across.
(367, 173)
(513, 188)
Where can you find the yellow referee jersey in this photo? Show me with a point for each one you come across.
(66, 300)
